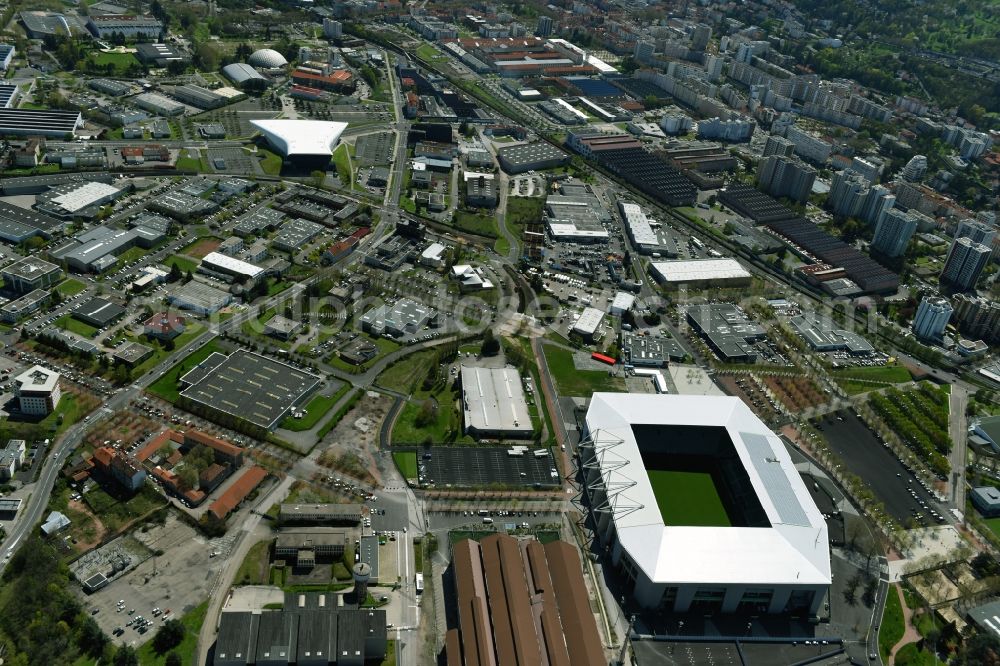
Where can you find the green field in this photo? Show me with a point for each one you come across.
(119, 62)
(475, 223)
(166, 386)
(572, 382)
(117, 513)
(72, 325)
(888, 374)
(892, 624)
(70, 287)
(315, 410)
(688, 498)
(271, 162)
(182, 263)
(406, 461)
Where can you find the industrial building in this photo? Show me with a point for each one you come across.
(203, 98)
(249, 387)
(97, 250)
(80, 200)
(531, 157)
(521, 602)
(40, 122)
(640, 232)
(763, 549)
(307, 546)
(295, 233)
(311, 630)
(230, 268)
(158, 104)
(160, 54)
(37, 390)
(241, 73)
(728, 330)
(404, 317)
(824, 336)
(648, 351)
(199, 297)
(700, 273)
(30, 273)
(493, 403)
(98, 312)
(15, 310)
(182, 206)
(576, 215)
(588, 324)
(106, 27)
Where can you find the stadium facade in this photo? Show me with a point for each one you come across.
(653, 463)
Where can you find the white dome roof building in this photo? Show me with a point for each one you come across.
(267, 59)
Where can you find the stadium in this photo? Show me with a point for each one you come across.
(700, 507)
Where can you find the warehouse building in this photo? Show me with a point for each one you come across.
(40, 122)
(181, 206)
(493, 403)
(824, 336)
(308, 546)
(531, 157)
(728, 330)
(250, 387)
(294, 234)
(198, 297)
(30, 273)
(763, 546)
(97, 250)
(158, 104)
(80, 200)
(576, 215)
(203, 98)
(255, 222)
(243, 74)
(640, 232)
(700, 273)
(230, 268)
(521, 602)
(99, 312)
(9, 93)
(160, 54)
(588, 324)
(311, 630)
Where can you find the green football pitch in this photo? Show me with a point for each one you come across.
(688, 498)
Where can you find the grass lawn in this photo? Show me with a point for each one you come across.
(475, 223)
(256, 566)
(688, 498)
(889, 374)
(390, 653)
(406, 461)
(446, 427)
(192, 621)
(191, 160)
(120, 61)
(116, 513)
(407, 373)
(993, 524)
(76, 326)
(911, 655)
(183, 263)
(166, 386)
(315, 410)
(460, 535)
(271, 162)
(70, 287)
(892, 624)
(852, 387)
(572, 382)
(192, 331)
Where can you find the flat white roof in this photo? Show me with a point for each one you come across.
(232, 264)
(638, 224)
(700, 269)
(37, 378)
(493, 400)
(301, 137)
(85, 195)
(433, 251)
(594, 61)
(793, 551)
(623, 301)
(588, 321)
(570, 230)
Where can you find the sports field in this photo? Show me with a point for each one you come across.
(688, 498)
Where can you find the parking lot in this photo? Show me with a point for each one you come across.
(481, 466)
(670, 653)
(178, 580)
(879, 468)
(237, 160)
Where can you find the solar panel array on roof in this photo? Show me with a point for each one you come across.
(774, 479)
(650, 174)
(751, 202)
(594, 87)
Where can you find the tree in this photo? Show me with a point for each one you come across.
(175, 273)
(428, 413)
(173, 659)
(126, 656)
(317, 178)
(168, 636)
(491, 346)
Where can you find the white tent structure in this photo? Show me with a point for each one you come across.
(301, 138)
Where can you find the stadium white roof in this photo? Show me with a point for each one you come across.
(301, 137)
(793, 551)
(699, 270)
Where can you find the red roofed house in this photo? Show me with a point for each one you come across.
(237, 492)
(163, 326)
(225, 452)
(121, 467)
(338, 81)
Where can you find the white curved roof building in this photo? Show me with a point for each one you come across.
(701, 506)
(240, 72)
(301, 138)
(267, 59)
